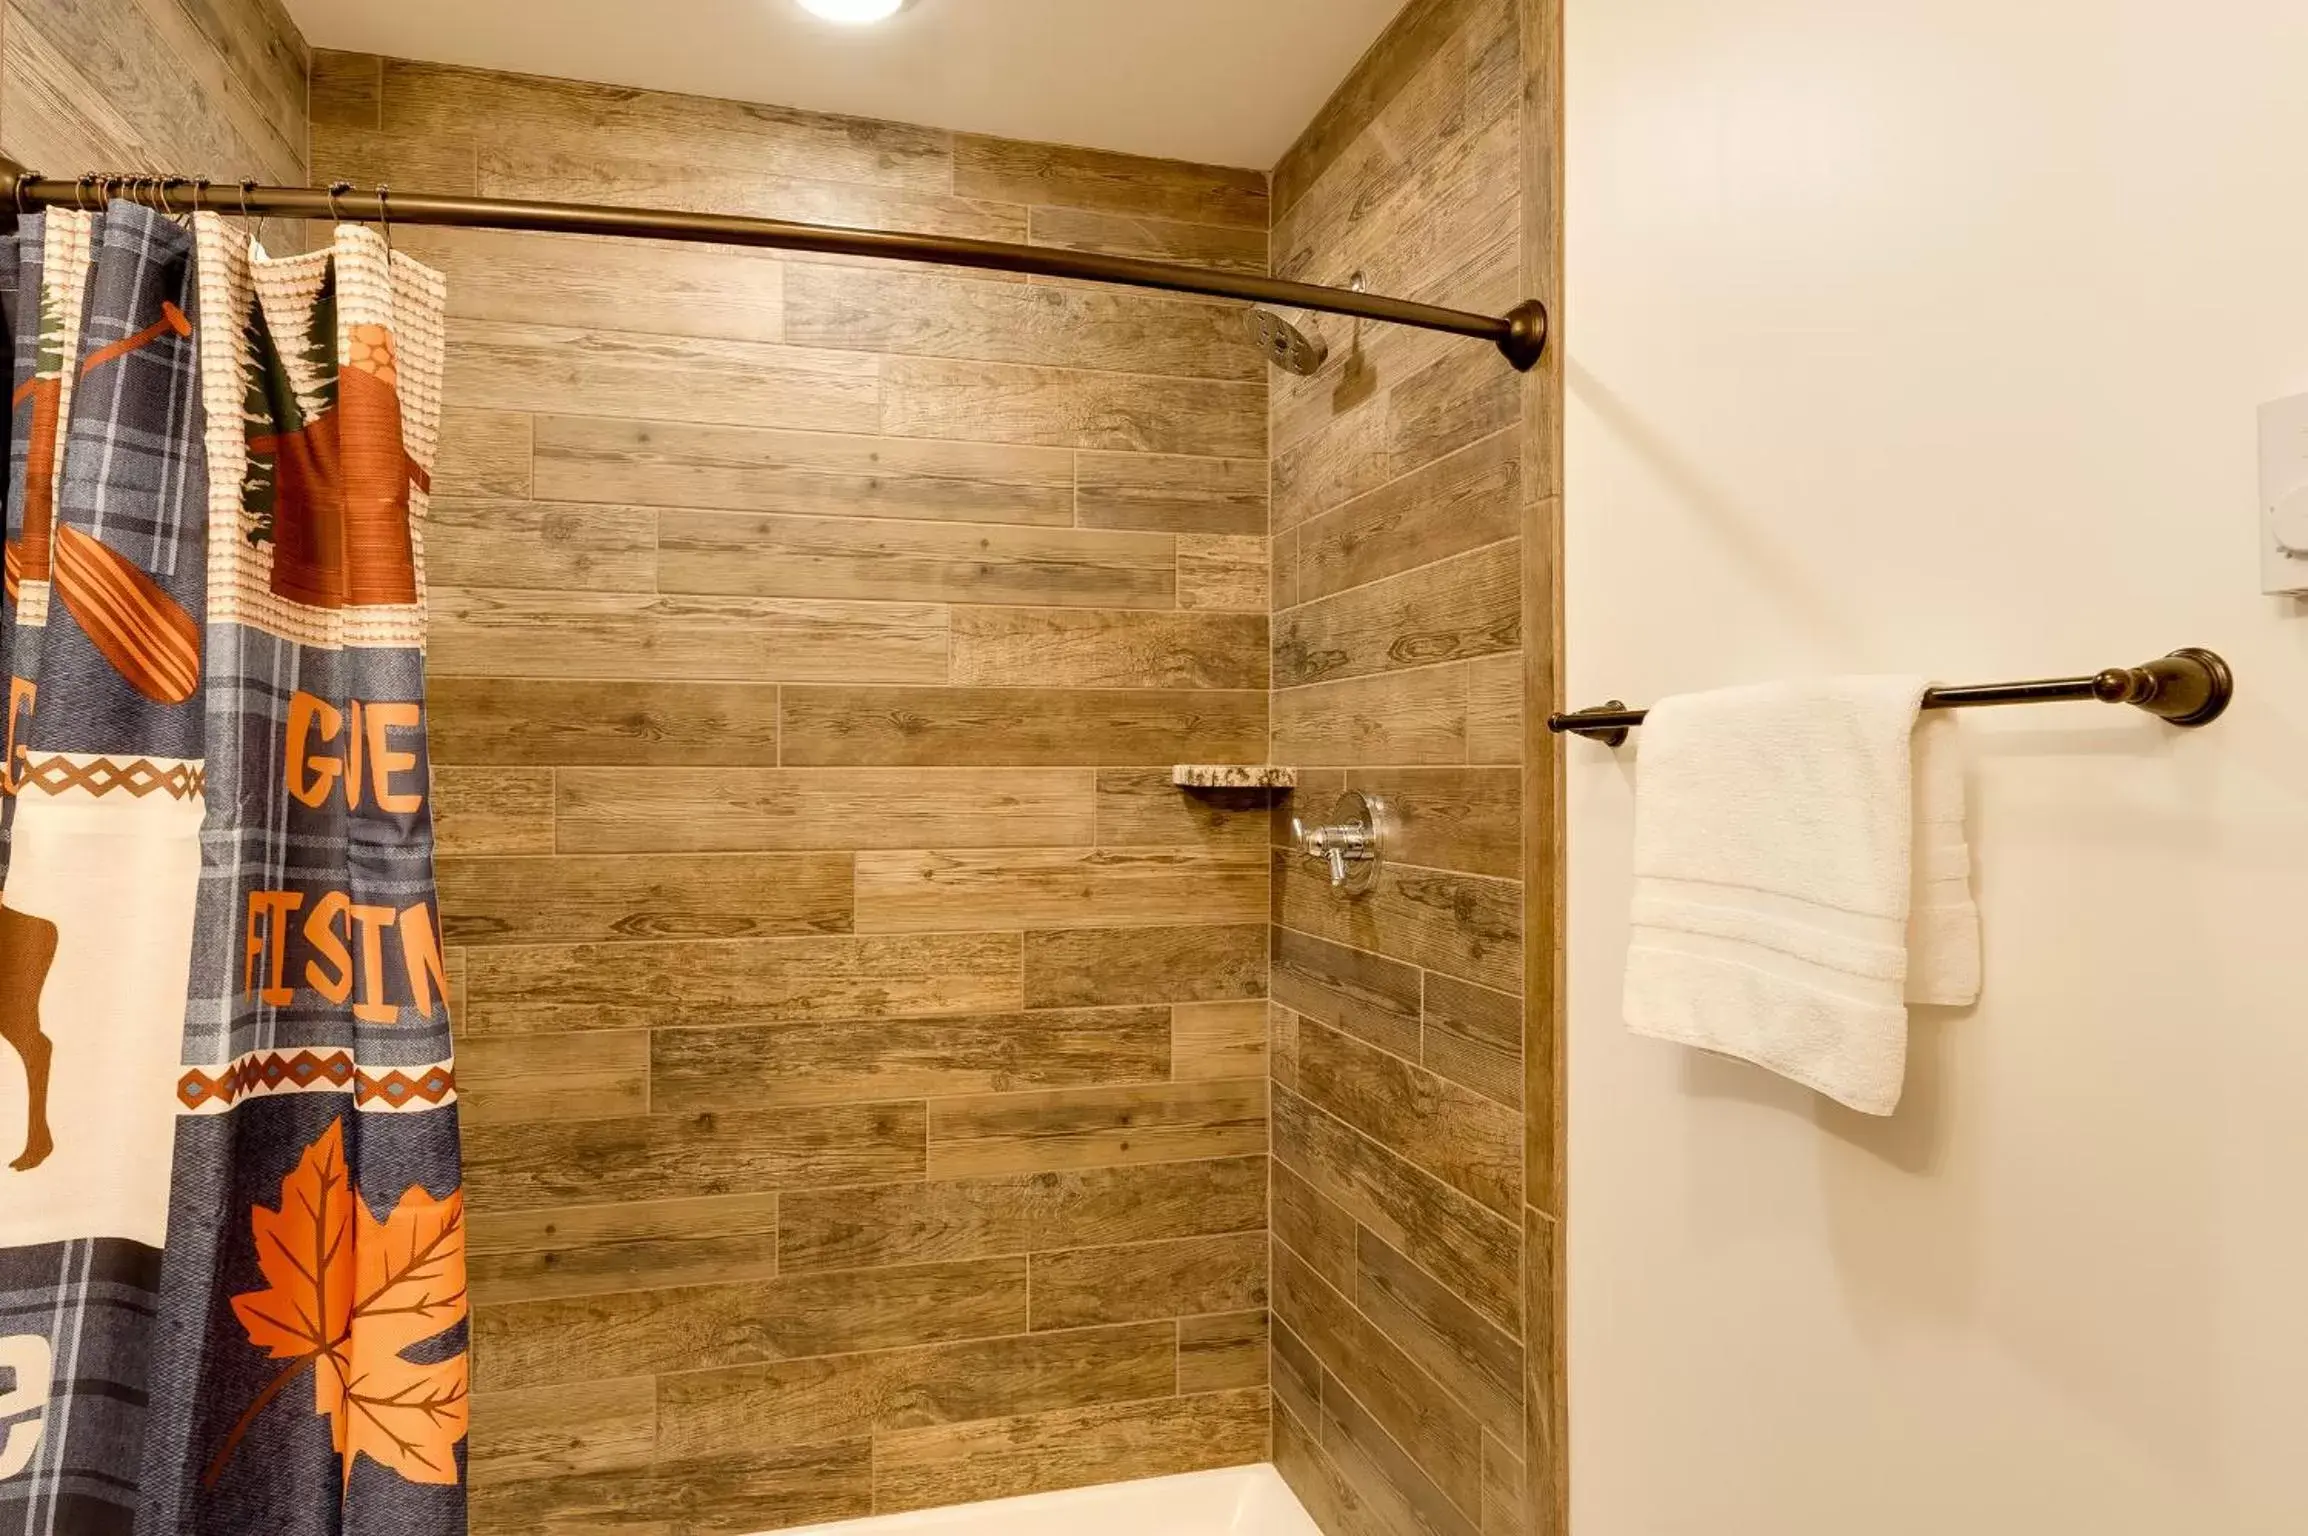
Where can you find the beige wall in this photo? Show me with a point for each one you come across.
(1929, 337)
(1412, 536)
(197, 87)
(863, 1046)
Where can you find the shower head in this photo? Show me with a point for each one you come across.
(1292, 349)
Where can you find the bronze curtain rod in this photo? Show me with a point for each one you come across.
(2187, 688)
(1520, 334)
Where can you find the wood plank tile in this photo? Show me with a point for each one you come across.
(1222, 1352)
(1021, 727)
(735, 1068)
(346, 90)
(976, 1218)
(1439, 1433)
(1168, 493)
(1070, 1128)
(1403, 1491)
(767, 1488)
(1466, 926)
(1216, 1041)
(483, 454)
(1454, 402)
(1141, 807)
(1221, 572)
(749, 469)
(1344, 457)
(728, 1412)
(262, 49)
(502, 366)
(1400, 717)
(1464, 502)
(1453, 1238)
(655, 287)
(1544, 1387)
(1471, 1143)
(715, 896)
(1495, 709)
(1085, 967)
(1015, 171)
(542, 988)
(1282, 1045)
(676, 810)
(1085, 1287)
(948, 892)
(543, 721)
(879, 560)
(1477, 1363)
(1463, 607)
(594, 1076)
(492, 632)
(485, 811)
(563, 1431)
(807, 197)
(583, 119)
(1296, 1376)
(1307, 1468)
(1065, 408)
(681, 1157)
(1506, 1491)
(1315, 1228)
(538, 1343)
(1465, 819)
(555, 546)
(1404, 52)
(1219, 246)
(898, 310)
(1368, 996)
(1070, 1448)
(590, 1250)
(1474, 1036)
(1067, 648)
(442, 165)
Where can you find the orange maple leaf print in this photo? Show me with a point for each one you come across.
(347, 1294)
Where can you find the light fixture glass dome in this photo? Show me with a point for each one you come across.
(856, 13)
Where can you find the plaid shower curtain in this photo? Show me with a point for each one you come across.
(232, 1278)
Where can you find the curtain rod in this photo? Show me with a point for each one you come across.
(2188, 688)
(1520, 334)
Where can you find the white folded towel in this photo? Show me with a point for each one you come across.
(1800, 876)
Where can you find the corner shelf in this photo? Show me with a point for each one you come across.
(1233, 776)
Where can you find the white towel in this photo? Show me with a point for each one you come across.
(1800, 877)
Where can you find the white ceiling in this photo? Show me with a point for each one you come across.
(1225, 81)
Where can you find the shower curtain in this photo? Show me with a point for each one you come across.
(232, 1277)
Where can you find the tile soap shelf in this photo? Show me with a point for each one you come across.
(1233, 776)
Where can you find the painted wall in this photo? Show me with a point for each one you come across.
(1929, 337)
(198, 87)
(863, 1045)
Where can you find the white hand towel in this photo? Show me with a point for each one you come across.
(1800, 876)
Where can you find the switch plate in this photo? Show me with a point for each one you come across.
(2284, 495)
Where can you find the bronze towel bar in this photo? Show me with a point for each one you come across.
(2187, 688)
(1520, 334)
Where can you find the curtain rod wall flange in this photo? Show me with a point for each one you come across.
(1520, 335)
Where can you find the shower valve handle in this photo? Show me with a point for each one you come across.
(1351, 845)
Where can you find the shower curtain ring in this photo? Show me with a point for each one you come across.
(385, 214)
(81, 188)
(338, 189)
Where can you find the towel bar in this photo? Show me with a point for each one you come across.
(2187, 688)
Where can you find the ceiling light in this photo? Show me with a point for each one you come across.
(855, 13)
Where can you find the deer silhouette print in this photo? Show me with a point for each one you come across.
(27, 949)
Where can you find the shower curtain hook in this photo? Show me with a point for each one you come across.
(385, 214)
(338, 189)
(80, 188)
(254, 221)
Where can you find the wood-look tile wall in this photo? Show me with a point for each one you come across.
(864, 1046)
(200, 87)
(1406, 611)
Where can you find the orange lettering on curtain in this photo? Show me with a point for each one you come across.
(22, 692)
(339, 954)
(326, 760)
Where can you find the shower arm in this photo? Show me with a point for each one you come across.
(1520, 334)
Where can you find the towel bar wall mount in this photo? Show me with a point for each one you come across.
(2188, 688)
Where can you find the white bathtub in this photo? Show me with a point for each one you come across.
(1238, 1501)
